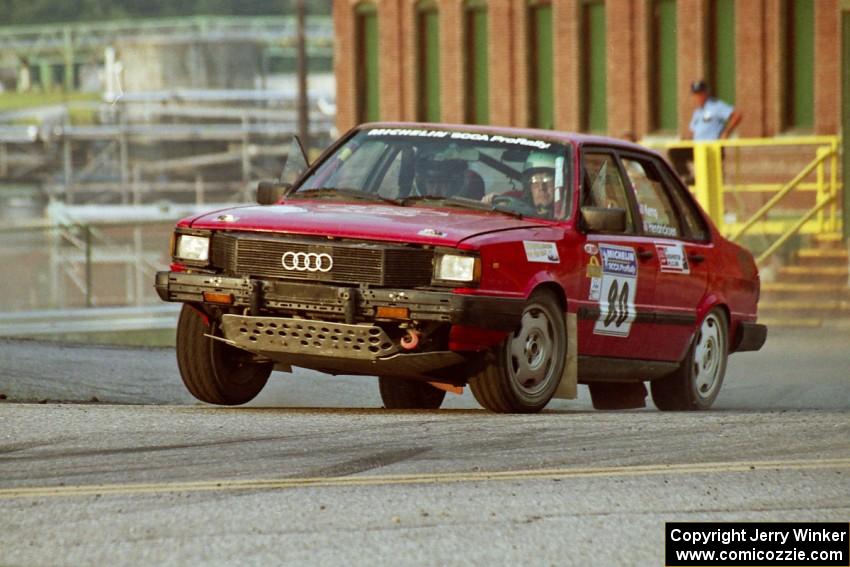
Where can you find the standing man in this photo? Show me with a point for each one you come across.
(712, 119)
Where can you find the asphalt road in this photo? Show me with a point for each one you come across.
(808, 369)
(317, 475)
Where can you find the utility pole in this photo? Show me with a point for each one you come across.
(301, 64)
(845, 120)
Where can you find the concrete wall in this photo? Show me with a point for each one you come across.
(163, 64)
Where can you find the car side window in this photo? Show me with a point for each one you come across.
(694, 227)
(604, 186)
(658, 214)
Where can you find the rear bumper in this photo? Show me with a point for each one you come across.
(349, 304)
(750, 337)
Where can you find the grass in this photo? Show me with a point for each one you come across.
(11, 101)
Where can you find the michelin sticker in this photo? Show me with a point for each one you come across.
(545, 252)
(672, 258)
(618, 289)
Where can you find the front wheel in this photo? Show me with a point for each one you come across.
(399, 393)
(529, 363)
(212, 371)
(695, 385)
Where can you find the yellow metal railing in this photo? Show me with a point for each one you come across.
(711, 188)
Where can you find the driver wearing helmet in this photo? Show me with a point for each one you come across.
(538, 181)
(440, 178)
(538, 184)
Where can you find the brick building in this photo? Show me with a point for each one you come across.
(607, 66)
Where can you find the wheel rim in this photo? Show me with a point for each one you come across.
(709, 354)
(530, 352)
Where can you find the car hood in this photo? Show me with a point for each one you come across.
(421, 225)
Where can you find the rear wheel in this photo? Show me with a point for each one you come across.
(399, 393)
(212, 371)
(695, 385)
(529, 363)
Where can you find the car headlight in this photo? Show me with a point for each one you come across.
(457, 268)
(189, 247)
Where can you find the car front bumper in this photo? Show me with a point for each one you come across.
(348, 304)
(335, 329)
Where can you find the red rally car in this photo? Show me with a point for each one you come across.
(518, 262)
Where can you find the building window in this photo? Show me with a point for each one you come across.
(799, 57)
(663, 95)
(428, 61)
(477, 109)
(366, 36)
(540, 64)
(721, 49)
(594, 67)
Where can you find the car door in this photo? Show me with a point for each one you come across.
(673, 230)
(619, 269)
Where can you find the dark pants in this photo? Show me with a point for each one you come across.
(682, 158)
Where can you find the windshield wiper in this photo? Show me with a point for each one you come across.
(461, 202)
(342, 192)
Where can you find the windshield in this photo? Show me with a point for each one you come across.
(524, 176)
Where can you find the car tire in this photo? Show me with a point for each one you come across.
(526, 368)
(214, 372)
(695, 385)
(400, 393)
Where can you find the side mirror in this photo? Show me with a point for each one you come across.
(270, 192)
(599, 219)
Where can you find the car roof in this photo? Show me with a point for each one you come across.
(573, 138)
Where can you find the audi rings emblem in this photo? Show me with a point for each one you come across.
(307, 262)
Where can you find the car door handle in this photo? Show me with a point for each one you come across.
(696, 258)
(644, 254)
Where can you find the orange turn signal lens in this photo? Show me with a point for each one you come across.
(216, 297)
(393, 312)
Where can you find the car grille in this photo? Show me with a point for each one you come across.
(377, 264)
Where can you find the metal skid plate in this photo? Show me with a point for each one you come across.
(302, 336)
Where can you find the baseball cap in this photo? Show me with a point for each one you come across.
(699, 86)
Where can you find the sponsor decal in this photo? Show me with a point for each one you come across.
(591, 249)
(595, 289)
(545, 252)
(594, 269)
(431, 232)
(660, 229)
(672, 258)
(617, 292)
(226, 218)
(284, 209)
(618, 260)
(474, 136)
(648, 212)
(374, 210)
(408, 132)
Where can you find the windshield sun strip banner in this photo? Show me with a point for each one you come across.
(461, 135)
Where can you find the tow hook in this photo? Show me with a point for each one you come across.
(411, 340)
